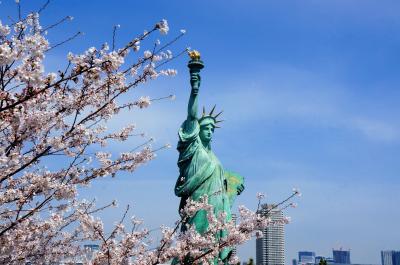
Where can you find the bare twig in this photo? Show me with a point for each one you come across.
(67, 40)
(56, 24)
(113, 36)
(44, 6)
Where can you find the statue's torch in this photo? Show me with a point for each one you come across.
(195, 65)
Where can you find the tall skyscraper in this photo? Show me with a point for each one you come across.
(387, 257)
(234, 219)
(390, 257)
(306, 257)
(341, 256)
(270, 249)
(396, 257)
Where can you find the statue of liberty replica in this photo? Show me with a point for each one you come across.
(200, 171)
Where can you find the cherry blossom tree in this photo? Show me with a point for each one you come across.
(64, 114)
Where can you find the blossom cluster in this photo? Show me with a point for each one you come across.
(63, 114)
(181, 247)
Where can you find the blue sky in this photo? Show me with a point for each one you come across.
(310, 94)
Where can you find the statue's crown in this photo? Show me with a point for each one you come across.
(209, 116)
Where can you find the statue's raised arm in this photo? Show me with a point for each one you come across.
(195, 65)
(192, 105)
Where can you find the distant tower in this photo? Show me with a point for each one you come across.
(341, 256)
(270, 249)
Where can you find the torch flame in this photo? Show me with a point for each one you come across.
(194, 55)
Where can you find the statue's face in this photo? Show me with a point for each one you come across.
(206, 132)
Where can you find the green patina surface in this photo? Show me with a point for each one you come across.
(200, 171)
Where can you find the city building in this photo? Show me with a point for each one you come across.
(390, 257)
(330, 260)
(306, 257)
(294, 261)
(270, 249)
(341, 256)
(90, 250)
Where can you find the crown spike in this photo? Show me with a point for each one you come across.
(204, 112)
(215, 126)
(219, 121)
(212, 110)
(218, 114)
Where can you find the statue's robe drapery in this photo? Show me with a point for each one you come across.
(201, 173)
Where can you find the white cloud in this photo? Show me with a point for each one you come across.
(300, 97)
(377, 130)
